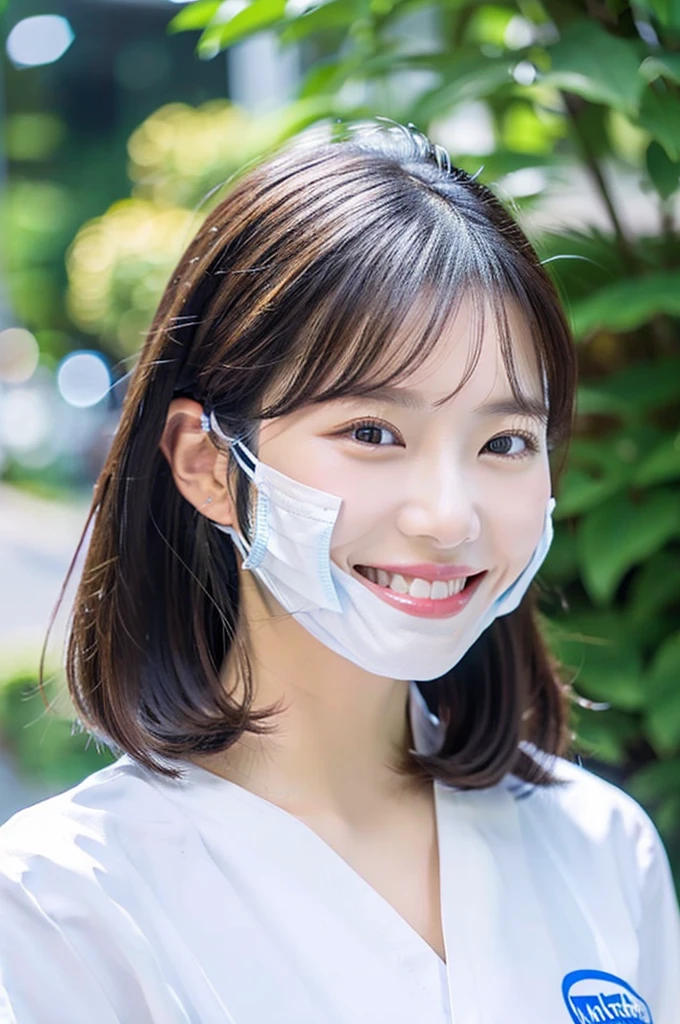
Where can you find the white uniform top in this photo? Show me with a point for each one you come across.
(133, 899)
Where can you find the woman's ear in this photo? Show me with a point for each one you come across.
(199, 469)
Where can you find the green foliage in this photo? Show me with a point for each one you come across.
(40, 735)
(627, 304)
(621, 533)
(33, 137)
(663, 172)
(590, 62)
(35, 222)
(248, 19)
(119, 262)
(180, 160)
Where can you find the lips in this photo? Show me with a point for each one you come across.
(429, 598)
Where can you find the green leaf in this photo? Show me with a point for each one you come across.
(647, 387)
(656, 781)
(667, 66)
(620, 534)
(195, 15)
(597, 469)
(598, 402)
(560, 565)
(323, 78)
(605, 734)
(659, 116)
(628, 304)
(468, 76)
(525, 130)
(655, 587)
(271, 129)
(602, 657)
(334, 14)
(245, 22)
(581, 490)
(663, 697)
(582, 261)
(666, 664)
(667, 12)
(488, 24)
(592, 63)
(661, 465)
(664, 172)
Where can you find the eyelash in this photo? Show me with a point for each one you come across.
(531, 440)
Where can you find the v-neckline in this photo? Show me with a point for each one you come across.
(211, 783)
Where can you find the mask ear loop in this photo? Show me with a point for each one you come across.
(242, 454)
(252, 553)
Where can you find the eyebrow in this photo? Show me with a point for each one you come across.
(407, 398)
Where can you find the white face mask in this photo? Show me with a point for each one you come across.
(290, 554)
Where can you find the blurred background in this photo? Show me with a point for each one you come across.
(122, 122)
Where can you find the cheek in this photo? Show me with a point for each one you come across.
(516, 523)
(366, 510)
(370, 503)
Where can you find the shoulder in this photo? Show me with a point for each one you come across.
(76, 898)
(580, 825)
(592, 824)
(87, 827)
(587, 803)
(601, 840)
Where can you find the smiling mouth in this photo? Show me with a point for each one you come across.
(414, 586)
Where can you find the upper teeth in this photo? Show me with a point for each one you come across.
(413, 585)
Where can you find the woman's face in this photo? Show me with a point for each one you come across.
(435, 493)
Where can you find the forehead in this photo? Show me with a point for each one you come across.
(484, 346)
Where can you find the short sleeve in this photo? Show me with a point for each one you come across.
(67, 944)
(659, 932)
(41, 970)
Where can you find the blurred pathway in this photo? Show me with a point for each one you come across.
(37, 541)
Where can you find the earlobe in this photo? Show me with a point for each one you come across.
(199, 469)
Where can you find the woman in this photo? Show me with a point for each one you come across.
(304, 622)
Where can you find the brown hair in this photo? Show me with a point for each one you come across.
(293, 288)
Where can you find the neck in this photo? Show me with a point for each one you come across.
(339, 736)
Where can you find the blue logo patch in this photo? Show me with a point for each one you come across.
(593, 997)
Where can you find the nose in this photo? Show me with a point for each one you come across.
(441, 505)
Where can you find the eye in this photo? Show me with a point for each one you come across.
(512, 446)
(372, 433)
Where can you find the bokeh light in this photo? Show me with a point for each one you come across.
(524, 73)
(83, 379)
(19, 354)
(118, 266)
(519, 33)
(39, 40)
(33, 136)
(180, 152)
(25, 422)
(528, 181)
(119, 263)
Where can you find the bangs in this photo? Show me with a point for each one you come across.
(380, 320)
(344, 277)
